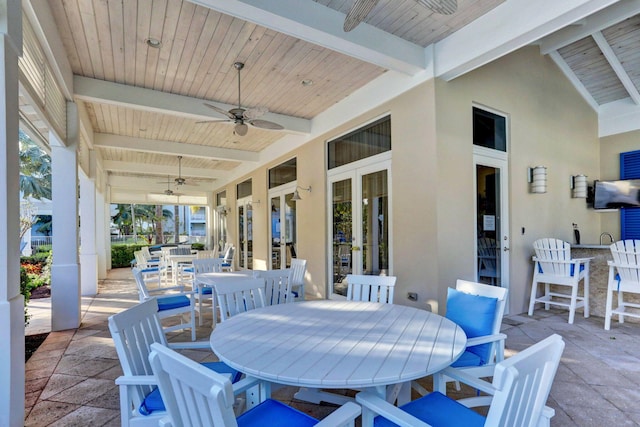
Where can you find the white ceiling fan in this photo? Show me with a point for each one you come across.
(241, 116)
(169, 191)
(180, 180)
(361, 8)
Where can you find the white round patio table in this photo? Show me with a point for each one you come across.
(338, 344)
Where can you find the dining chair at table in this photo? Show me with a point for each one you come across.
(239, 296)
(554, 266)
(173, 304)
(478, 309)
(624, 278)
(277, 285)
(150, 270)
(198, 397)
(299, 268)
(204, 293)
(362, 287)
(516, 396)
(134, 330)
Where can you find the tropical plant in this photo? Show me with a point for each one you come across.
(35, 169)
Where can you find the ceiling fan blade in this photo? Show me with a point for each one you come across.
(265, 124)
(358, 13)
(220, 110)
(214, 121)
(254, 113)
(443, 7)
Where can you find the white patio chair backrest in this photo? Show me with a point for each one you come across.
(489, 291)
(206, 254)
(363, 287)
(626, 258)
(180, 251)
(193, 395)
(143, 292)
(523, 383)
(548, 251)
(239, 296)
(133, 331)
(185, 246)
(207, 265)
(298, 267)
(277, 285)
(146, 253)
(141, 262)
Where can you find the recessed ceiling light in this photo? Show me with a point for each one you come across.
(155, 43)
(307, 82)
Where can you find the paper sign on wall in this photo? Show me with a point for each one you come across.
(489, 222)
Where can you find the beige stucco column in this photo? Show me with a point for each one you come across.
(65, 272)
(11, 301)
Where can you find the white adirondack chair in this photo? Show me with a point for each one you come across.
(169, 304)
(277, 285)
(198, 397)
(239, 296)
(554, 266)
(133, 331)
(299, 267)
(204, 293)
(487, 259)
(485, 343)
(370, 288)
(624, 277)
(517, 395)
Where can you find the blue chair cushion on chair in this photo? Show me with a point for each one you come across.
(153, 401)
(150, 270)
(438, 410)
(188, 269)
(468, 359)
(206, 290)
(168, 303)
(475, 314)
(275, 414)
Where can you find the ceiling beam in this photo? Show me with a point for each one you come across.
(100, 91)
(508, 27)
(171, 148)
(596, 22)
(321, 25)
(117, 196)
(617, 67)
(156, 184)
(577, 84)
(160, 170)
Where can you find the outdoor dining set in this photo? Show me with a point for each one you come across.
(266, 335)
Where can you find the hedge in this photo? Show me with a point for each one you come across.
(122, 255)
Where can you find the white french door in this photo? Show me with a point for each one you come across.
(282, 233)
(245, 233)
(359, 221)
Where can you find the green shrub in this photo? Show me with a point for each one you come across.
(197, 246)
(122, 255)
(25, 291)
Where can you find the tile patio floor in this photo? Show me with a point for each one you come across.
(70, 378)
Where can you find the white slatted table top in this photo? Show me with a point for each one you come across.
(338, 344)
(210, 279)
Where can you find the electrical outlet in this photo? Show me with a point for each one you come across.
(412, 296)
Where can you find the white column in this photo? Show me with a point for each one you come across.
(102, 235)
(88, 253)
(65, 272)
(209, 241)
(11, 301)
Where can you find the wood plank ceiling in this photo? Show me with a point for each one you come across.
(106, 41)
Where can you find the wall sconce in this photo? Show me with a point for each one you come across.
(296, 195)
(537, 177)
(579, 186)
(224, 211)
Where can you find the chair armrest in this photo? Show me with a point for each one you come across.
(563, 261)
(190, 345)
(470, 380)
(136, 380)
(485, 339)
(372, 403)
(245, 384)
(343, 416)
(582, 260)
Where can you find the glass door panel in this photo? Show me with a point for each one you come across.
(290, 229)
(342, 229)
(242, 236)
(245, 234)
(276, 256)
(375, 226)
(283, 228)
(488, 224)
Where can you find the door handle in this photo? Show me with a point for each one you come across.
(506, 248)
(355, 248)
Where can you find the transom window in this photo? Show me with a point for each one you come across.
(372, 139)
(489, 130)
(284, 173)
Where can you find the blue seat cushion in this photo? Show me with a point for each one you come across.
(153, 401)
(438, 410)
(275, 414)
(226, 264)
(150, 270)
(295, 294)
(468, 359)
(168, 303)
(206, 290)
(475, 314)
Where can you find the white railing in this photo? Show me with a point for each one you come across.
(142, 239)
(37, 241)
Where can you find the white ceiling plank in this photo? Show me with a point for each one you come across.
(94, 90)
(321, 25)
(618, 117)
(568, 72)
(160, 170)
(508, 27)
(173, 148)
(613, 60)
(157, 184)
(596, 22)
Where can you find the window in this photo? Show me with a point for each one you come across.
(244, 189)
(284, 173)
(489, 130)
(372, 139)
(221, 198)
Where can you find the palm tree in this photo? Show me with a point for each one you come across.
(35, 169)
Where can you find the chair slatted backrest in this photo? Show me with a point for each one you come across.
(626, 258)
(143, 292)
(523, 383)
(277, 285)
(207, 265)
(239, 296)
(193, 395)
(370, 288)
(298, 267)
(549, 250)
(133, 331)
(180, 251)
(207, 254)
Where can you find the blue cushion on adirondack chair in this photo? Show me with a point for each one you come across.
(153, 401)
(275, 414)
(437, 409)
(475, 314)
(168, 303)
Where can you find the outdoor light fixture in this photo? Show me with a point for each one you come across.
(296, 195)
(537, 177)
(579, 186)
